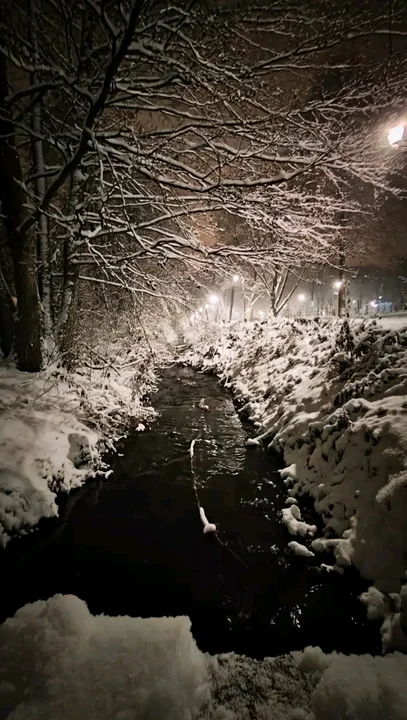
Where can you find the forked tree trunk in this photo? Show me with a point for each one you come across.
(22, 245)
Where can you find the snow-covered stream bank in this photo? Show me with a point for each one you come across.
(335, 403)
(332, 397)
(54, 427)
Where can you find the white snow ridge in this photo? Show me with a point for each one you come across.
(59, 661)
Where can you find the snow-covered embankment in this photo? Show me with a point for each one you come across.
(333, 398)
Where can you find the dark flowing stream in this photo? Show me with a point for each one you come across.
(133, 544)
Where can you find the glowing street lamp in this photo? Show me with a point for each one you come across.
(236, 278)
(301, 297)
(338, 284)
(396, 134)
(213, 299)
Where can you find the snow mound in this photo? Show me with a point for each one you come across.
(341, 547)
(392, 610)
(307, 685)
(253, 442)
(294, 524)
(332, 568)
(362, 688)
(289, 473)
(300, 550)
(59, 661)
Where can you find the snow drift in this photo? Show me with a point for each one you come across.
(59, 661)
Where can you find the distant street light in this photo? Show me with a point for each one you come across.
(396, 134)
(338, 284)
(236, 278)
(213, 299)
(301, 297)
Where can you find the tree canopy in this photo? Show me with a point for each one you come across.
(147, 143)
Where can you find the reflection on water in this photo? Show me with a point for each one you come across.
(133, 544)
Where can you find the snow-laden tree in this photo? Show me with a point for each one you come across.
(125, 125)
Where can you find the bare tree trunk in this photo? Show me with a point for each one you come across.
(44, 275)
(22, 244)
(70, 272)
(277, 289)
(272, 294)
(342, 287)
(7, 303)
(6, 318)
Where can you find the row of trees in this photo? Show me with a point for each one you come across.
(134, 135)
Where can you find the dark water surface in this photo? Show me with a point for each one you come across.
(133, 544)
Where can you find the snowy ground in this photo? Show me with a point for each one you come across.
(393, 321)
(335, 403)
(59, 661)
(53, 428)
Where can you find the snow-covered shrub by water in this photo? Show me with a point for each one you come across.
(59, 661)
(331, 395)
(392, 610)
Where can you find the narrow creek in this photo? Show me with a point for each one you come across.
(133, 544)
